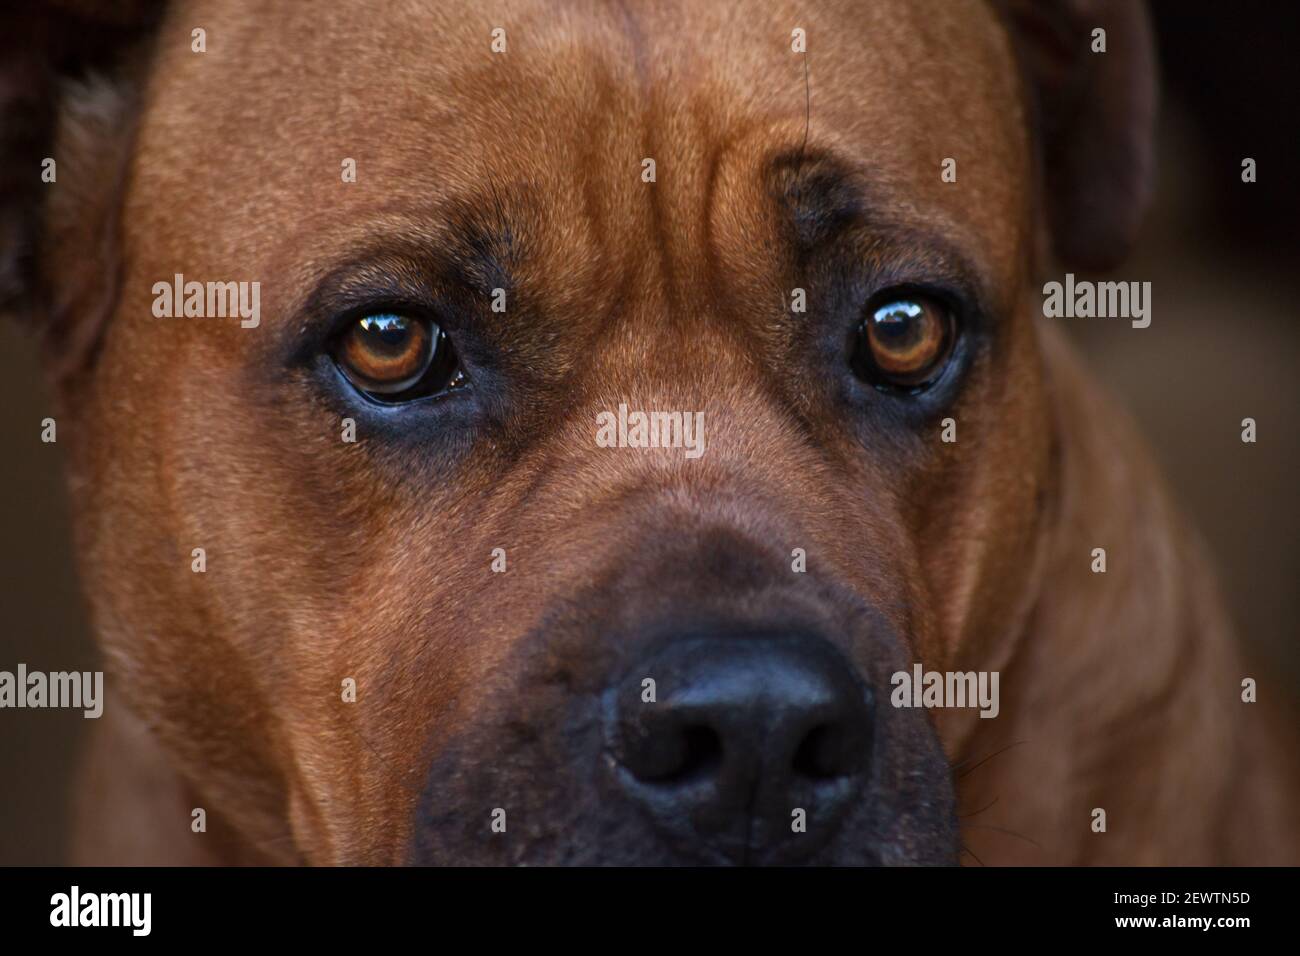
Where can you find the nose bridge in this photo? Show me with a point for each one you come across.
(669, 436)
(668, 341)
(683, 400)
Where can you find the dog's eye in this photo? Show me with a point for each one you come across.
(396, 358)
(904, 341)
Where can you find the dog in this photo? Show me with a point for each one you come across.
(372, 589)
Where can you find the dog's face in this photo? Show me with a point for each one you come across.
(619, 654)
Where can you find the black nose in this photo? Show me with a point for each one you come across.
(745, 749)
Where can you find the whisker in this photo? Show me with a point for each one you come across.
(1021, 836)
(398, 774)
(966, 849)
(965, 816)
(986, 759)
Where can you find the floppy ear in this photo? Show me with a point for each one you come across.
(70, 74)
(1095, 119)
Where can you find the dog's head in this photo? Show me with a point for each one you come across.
(383, 557)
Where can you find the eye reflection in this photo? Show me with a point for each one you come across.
(904, 343)
(396, 358)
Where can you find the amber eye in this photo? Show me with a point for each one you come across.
(904, 341)
(396, 358)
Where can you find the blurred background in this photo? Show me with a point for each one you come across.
(1222, 257)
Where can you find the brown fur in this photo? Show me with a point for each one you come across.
(371, 561)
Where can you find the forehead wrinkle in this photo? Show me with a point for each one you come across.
(827, 200)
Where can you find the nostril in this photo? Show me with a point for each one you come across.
(826, 752)
(694, 752)
(703, 754)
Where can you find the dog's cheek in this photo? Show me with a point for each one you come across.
(981, 512)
